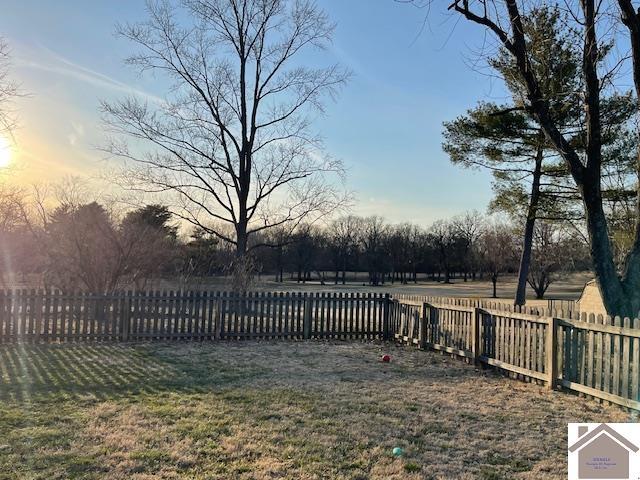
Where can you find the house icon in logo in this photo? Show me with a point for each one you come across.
(602, 453)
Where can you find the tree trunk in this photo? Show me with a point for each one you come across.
(614, 297)
(279, 267)
(631, 274)
(494, 281)
(344, 270)
(344, 277)
(525, 259)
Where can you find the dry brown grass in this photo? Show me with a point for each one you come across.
(276, 410)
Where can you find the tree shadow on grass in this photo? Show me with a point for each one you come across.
(110, 371)
(44, 372)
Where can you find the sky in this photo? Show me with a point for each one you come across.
(412, 70)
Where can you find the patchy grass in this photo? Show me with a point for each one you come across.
(274, 410)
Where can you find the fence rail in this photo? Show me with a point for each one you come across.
(562, 306)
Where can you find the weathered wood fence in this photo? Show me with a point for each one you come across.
(44, 316)
(560, 305)
(596, 356)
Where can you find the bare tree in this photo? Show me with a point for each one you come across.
(306, 247)
(469, 229)
(8, 90)
(415, 241)
(342, 242)
(402, 243)
(498, 250)
(13, 233)
(373, 235)
(553, 251)
(443, 236)
(280, 238)
(232, 142)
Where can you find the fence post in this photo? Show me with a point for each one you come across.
(386, 319)
(551, 363)
(476, 326)
(37, 314)
(308, 309)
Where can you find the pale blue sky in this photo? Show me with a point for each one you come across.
(386, 125)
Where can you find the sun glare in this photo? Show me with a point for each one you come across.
(5, 152)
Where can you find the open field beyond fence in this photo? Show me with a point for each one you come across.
(594, 356)
(264, 410)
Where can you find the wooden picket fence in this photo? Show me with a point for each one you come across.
(559, 305)
(594, 355)
(44, 316)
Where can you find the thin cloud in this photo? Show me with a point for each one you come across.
(55, 63)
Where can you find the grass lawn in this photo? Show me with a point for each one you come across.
(568, 287)
(274, 410)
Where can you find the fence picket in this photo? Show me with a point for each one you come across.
(626, 361)
(608, 351)
(616, 359)
(46, 315)
(288, 306)
(599, 347)
(635, 363)
(64, 304)
(5, 320)
(590, 353)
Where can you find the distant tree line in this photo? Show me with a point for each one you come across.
(71, 243)
(468, 247)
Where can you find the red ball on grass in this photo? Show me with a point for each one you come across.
(386, 358)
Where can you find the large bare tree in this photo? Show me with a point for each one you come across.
(8, 90)
(504, 20)
(232, 141)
